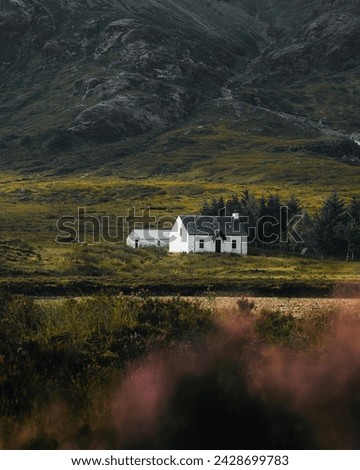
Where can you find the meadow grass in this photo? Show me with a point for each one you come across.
(31, 206)
(90, 267)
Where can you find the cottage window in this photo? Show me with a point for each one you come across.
(181, 232)
(201, 244)
(234, 245)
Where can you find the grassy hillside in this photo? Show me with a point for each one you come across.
(73, 269)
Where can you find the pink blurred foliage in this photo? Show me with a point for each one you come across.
(231, 379)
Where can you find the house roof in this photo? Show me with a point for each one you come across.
(150, 234)
(209, 225)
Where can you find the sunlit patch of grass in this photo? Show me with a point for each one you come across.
(105, 266)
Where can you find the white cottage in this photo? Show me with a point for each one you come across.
(208, 234)
(146, 237)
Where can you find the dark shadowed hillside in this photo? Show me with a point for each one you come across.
(139, 86)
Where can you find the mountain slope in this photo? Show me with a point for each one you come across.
(138, 66)
(88, 84)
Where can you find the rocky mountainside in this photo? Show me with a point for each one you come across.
(92, 76)
(329, 39)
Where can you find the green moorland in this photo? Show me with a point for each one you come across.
(32, 262)
(88, 268)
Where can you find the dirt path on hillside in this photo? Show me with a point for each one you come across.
(295, 306)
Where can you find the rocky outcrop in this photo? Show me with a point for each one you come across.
(125, 31)
(23, 24)
(114, 69)
(336, 37)
(141, 65)
(102, 88)
(153, 82)
(126, 116)
(12, 26)
(330, 39)
(347, 151)
(56, 49)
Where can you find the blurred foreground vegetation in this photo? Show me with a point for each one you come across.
(61, 362)
(72, 349)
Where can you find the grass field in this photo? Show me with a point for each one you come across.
(77, 269)
(32, 260)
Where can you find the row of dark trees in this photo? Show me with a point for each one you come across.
(286, 225)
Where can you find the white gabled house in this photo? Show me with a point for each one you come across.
(147, 237)
(208, 234)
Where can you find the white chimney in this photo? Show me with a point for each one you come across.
(236, 216)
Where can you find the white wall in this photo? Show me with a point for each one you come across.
(191, 243)
(179, 244)
(145, 242)
(226, 245)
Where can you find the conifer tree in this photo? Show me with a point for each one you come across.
(233, 205)
(270, 220)
(292, 209)
(205, 209)
(250, 207)
(330, 227)
(353, 229)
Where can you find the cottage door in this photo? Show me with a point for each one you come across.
(218, 246)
